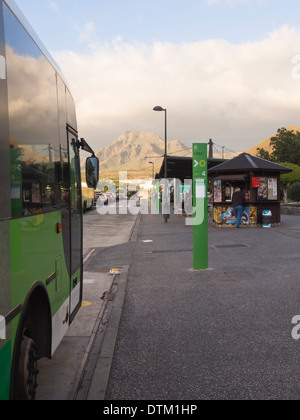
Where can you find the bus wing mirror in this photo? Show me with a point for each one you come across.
(92, 171)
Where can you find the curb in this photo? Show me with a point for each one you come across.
(135, 229)
(105, 341)
(92, 380)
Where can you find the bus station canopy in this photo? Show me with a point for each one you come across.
(182, 167)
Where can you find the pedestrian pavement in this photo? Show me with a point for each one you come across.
(66, 375)
(223, 333)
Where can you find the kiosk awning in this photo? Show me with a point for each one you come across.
(231, 177)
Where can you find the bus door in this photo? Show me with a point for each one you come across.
(75, 224)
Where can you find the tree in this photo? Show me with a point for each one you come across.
(294, 192)
(264, 154)
(288, 179)
(285, 147)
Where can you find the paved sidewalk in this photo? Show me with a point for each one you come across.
(224, 333)
(59, 378)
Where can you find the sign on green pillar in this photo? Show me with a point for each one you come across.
(200, 223)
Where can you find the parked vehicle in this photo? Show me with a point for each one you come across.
(121, 196)
(110, 197)
(100, 196)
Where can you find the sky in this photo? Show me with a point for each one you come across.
(224, 69)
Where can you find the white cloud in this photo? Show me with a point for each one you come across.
(87, 31)
(53, 6)
(235, 94)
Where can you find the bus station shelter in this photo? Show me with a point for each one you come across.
(259, 180)
(182, 167)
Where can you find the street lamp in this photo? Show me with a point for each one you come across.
(159, 109)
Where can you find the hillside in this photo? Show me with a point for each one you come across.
(265, 144)
(133, 150)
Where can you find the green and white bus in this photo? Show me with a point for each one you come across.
(40, 205)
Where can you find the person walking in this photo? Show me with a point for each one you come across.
(237, 204)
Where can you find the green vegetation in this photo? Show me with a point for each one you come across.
(285, 147)
(294, 192)
(287, 180)
(285, 151)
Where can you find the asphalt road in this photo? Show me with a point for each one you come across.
(224, 333)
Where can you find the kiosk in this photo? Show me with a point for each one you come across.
(259, 180)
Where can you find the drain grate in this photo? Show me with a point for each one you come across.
(230, 246)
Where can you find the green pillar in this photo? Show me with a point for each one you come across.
(200, 222)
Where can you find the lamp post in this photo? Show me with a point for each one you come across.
(159, 109)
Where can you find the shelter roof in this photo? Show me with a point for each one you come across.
(182, 167)
(248, 163)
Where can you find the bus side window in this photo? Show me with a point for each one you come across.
(34, 132)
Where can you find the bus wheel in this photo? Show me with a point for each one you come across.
(84, 207)
(28, 369)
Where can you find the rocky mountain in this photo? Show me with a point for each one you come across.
(265, 144)
(135, 149)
